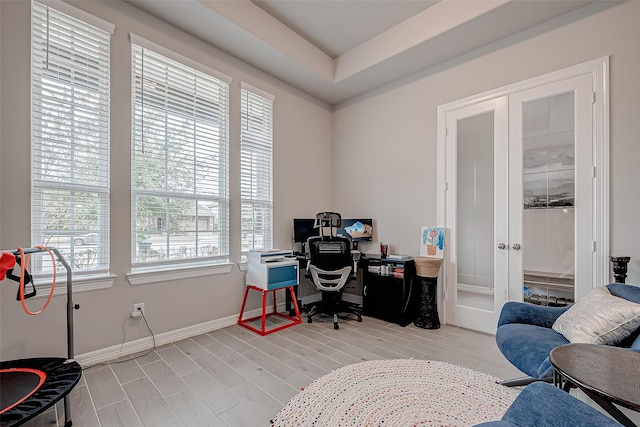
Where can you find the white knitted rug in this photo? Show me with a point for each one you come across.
(401, 392)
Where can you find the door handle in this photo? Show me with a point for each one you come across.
(501, 246)
(516, 246)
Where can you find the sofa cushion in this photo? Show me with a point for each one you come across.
(531, 314)
(527, 347)
(632, 293)
(599, 318)
(628, 292)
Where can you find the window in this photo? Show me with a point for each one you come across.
(70, 137)
(256, 169)
(180, 190)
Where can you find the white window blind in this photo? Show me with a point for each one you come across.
(70, 139)
(180, 177)
(256, 180)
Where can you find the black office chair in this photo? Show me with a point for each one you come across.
(331, 267)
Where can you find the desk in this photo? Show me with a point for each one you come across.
(389, 292)
(606, 374)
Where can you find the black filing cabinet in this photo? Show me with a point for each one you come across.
(389, 289)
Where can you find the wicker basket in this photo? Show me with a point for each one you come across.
(427, 266)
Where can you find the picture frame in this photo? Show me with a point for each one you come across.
(432, 242)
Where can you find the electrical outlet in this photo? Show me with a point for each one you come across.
(138, 309)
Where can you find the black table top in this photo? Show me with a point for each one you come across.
(611, 372)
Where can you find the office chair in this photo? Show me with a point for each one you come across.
(331, 267)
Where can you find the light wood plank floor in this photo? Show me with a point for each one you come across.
(234, 377)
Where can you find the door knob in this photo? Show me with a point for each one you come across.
(516, 246)
(501, 246)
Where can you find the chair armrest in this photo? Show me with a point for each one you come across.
(531, 314)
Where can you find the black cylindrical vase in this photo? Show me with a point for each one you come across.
(427, 270)
(620, 267)
(427, 312)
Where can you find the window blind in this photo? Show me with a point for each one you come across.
(256, 169)
(180, 176)
(70, 139)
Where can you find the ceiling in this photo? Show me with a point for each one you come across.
(337, 49)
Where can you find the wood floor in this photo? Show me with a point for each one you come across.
(234, 377)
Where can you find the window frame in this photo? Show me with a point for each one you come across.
(47, 102)
(146, 272)
(256, 166)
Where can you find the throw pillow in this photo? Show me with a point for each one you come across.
(599, 318)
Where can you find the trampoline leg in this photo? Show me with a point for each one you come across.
(67, 412)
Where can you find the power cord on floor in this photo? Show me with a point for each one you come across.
(153, 337)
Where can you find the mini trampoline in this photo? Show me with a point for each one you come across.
(28, 387)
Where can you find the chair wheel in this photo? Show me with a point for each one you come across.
(309, 320)
(359, 318)
(336, 326)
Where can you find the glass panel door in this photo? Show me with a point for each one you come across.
(542, 235)
(475, 211)
(548, 183)
(477, 214)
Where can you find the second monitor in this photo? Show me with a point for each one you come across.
(356, 229)
(302, 230)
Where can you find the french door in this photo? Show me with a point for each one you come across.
(477, 208)
(520, 200)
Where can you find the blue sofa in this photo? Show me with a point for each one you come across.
(543, 405)
(525, 337)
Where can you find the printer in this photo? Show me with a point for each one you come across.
(271, 269)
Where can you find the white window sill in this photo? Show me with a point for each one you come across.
(80, 284)
(147, 275)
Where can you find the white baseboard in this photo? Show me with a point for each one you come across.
(117, 351)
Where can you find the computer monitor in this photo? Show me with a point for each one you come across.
(356, 229)
(303, 229)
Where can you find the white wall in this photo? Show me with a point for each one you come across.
(382, 163)
(392, 131)
(302, 131)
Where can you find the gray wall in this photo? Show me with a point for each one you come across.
(392, 131)
(302, 130)
(380, 148)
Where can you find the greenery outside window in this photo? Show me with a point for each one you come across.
(70, 137)
(180, 159)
